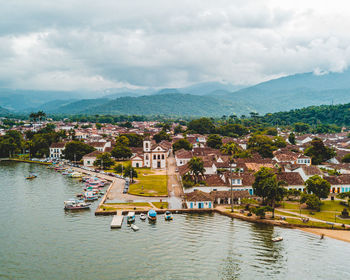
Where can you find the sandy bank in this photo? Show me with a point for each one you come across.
(343, 235)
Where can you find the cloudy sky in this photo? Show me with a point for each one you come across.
(94, 45)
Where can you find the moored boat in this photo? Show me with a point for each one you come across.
(31, 176)
(134, 227)
(131, 217)
(168, 216)
(90, 196)
(143, 216)
(75, 204)
(152, 215)
(277, 239)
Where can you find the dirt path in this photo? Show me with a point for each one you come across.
(175, 190)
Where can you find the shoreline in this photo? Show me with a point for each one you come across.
(341, 235)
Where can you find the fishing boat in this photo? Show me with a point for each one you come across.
(75, 204)
(90, 196)
(152, 215)
(168, 216)
(31, 176)
(76, 175)
(143, 216)
(134, 227)
(131, 217)
(277, 239)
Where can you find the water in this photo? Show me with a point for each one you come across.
(39, 240)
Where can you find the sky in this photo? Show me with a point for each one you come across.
(96, 45)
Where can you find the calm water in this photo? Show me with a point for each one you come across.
(39, 240)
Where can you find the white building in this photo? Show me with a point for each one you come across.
(56, 150)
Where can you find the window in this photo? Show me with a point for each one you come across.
(154, 157)
(162, 156)
(146, 145)
(158, 156)
(146, 157)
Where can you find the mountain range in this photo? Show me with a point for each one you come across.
(205, 99)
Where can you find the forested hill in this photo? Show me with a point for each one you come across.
(325, 114)
(4, 112)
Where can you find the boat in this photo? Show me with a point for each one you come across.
(277, 239)
(76, 175)
(168, 216)
(131, 217)
(134, 227)
(143, 216)
(90, 196)
(75, 204)
(152, 215)
(31, 176)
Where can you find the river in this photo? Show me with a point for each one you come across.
(39, 240)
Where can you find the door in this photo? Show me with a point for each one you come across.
(137, 165)
(158, 164)
(200, 205)
(191, 205)
(209, 204)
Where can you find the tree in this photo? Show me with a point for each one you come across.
(104, 160)
(121, 151)
(268, 187)
(123, 140)
(202, 126)
(196, 166)
(262, 144)
(261, 211)
(230, 148)
(162, 135)
(214, 141)
(319, 152)
(318, 186)
(178, 129)
(345, 195)
(119, 168)
(301, 127)
(130, 172)
(346, 158)
(135, 140)
(182, 144)
(271, 131)
(311, 200)
(98, 126)
(291, 138)
(233, 130)
(279, 142)
(75, 150)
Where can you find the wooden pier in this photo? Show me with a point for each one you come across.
(117, 220)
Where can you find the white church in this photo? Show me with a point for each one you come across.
(153, 156)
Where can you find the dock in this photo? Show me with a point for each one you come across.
(117, 220)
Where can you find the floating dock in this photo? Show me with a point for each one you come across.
(117, 220)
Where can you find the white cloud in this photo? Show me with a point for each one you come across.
(93, 45)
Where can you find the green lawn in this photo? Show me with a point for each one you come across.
(310, 223)
(149, 184)
(161, 205)
(285, 214)
(129, 204)
(329, 209)
(290, 205)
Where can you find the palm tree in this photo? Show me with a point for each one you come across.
(276, 193)
(33, 116)
(41, 115)
(196, 166)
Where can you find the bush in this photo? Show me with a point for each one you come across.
(312, 201)
(187, 184)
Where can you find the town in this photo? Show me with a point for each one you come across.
(291, 177)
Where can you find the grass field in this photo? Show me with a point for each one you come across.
(329, 210)
(149, 184)
(161, 205)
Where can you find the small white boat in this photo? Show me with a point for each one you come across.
(134, 227)
(143, 216)
(277, 239)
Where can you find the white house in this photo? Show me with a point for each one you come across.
(101, 145)
(89, 159)
(198, 200)
(56, 150)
